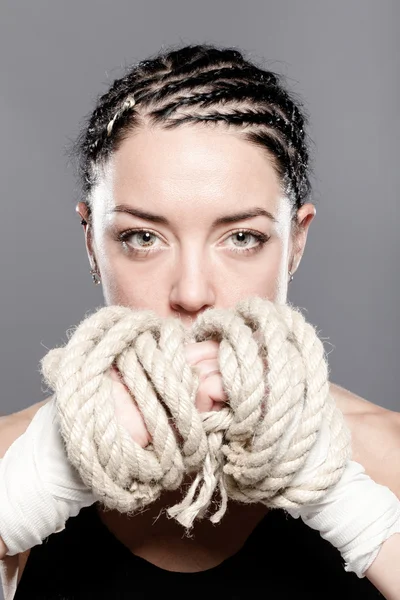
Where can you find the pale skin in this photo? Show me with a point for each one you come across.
(186, 262)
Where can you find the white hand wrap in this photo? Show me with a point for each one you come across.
(39, 488)
(356, 516)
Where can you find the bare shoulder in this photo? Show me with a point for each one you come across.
(14, 425)
(351, 403)
(27, 414)
(375, 433)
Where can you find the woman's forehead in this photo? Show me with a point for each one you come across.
(211, 168)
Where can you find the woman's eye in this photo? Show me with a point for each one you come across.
(139, 240)
(242, 239)
(144, 238)
(247, 241)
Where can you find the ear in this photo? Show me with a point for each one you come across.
(84, 212)
(305, 215)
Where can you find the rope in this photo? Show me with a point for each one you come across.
(275, 376)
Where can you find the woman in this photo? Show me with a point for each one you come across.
(195, 173)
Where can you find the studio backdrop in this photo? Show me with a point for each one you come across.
(340, 57)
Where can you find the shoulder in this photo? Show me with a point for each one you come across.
(14, 425)
(352, 404)
(376, 445)
(27, 414)
(375, 435)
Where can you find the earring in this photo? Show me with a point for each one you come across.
(95, 276)
(290, 277)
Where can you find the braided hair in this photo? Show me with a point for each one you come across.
(201, 84)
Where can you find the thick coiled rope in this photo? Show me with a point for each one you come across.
(275, 376)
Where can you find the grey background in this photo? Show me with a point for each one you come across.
(342, 57)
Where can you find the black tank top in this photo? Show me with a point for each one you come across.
(282, 558)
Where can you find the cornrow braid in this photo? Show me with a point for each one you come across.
(201, 84)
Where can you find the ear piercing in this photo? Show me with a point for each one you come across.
(95, 276)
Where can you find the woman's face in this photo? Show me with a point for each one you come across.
(203, 221)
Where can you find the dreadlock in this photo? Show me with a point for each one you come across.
(201, 84)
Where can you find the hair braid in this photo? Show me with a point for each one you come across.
(201, 84)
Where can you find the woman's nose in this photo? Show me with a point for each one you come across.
(192, 291)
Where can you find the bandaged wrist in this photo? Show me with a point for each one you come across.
(356, 516)
(39, 489)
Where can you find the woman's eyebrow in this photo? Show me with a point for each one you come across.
(141, 214)
(247, 214)
(241, 216)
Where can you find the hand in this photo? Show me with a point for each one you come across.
(42, 489)
(356, 515)
(203, 357)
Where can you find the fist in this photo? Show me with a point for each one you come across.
(203, 358)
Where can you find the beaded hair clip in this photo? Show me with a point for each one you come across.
(126, 105)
